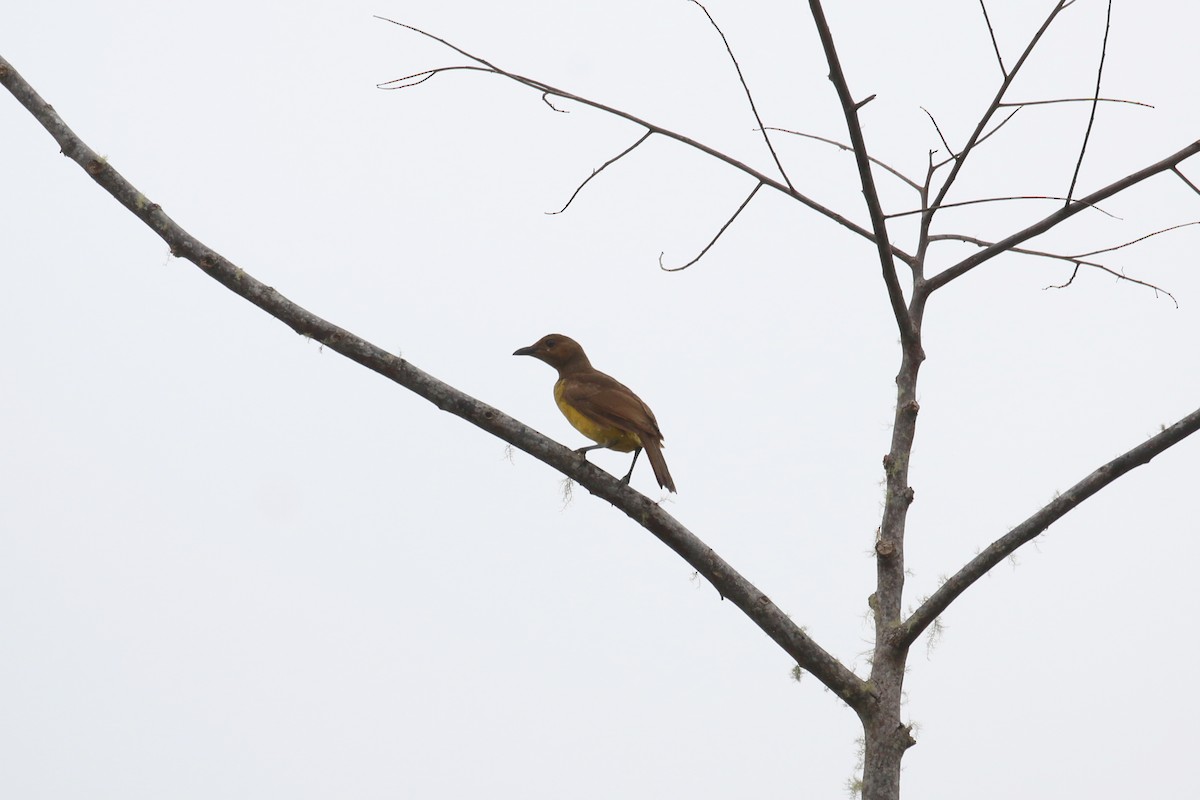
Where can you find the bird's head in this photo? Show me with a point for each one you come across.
(556, 350)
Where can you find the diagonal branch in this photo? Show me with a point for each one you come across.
(602, 167)
(1183, 178)
(909, 334)
(547, 89)
(1049, 222)
(843, 146)
(1003, 547)
(749, 96)
(757, 606)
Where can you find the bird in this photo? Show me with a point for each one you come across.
(600, 407)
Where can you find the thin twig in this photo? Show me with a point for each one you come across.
(1076, 100)
(992, 33)
(981, 140)
(761, 177)
(417, 78)
(1077, 261)
(1000, 549)
(1183, 178)
(842, 146)
(749, 96)
(961, 203)
(1135, 241)
(708, 246)
(1087, 135)
(603, 167)
(941, 136)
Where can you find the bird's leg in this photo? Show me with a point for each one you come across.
(583, 450)
(629, 474)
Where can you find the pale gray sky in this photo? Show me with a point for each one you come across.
(235, 565)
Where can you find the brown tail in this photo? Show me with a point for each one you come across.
(661, 473)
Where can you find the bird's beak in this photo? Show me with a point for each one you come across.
(524, 351)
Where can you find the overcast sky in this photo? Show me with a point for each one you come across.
(236, 565)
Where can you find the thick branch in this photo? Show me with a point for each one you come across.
(1038, 228)
(1003, 547)
(908, 331)
(831, 672)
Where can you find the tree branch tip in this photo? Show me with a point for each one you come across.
(546, 100)
(858, 106)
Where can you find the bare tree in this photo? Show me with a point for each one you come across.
(908, 281)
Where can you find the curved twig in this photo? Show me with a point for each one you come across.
(708, 246)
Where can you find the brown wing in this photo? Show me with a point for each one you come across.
(610, 402)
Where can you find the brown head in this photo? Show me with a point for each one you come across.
(561, 352)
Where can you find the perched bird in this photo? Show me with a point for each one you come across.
(600, 407)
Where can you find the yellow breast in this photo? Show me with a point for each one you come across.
(608, 435)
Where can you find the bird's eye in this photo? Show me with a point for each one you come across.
(551, 342)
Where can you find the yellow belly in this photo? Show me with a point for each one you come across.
(611, 437)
